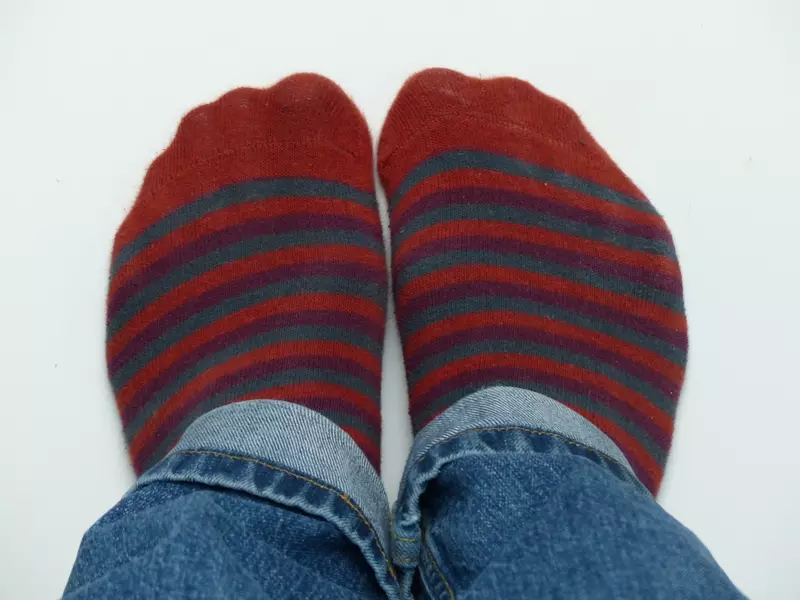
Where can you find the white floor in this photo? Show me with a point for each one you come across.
(698, 100)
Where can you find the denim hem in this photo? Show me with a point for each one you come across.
(293, 456)
(499, 419)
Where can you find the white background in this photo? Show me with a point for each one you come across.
(698, 100)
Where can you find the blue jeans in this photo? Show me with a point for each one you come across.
(508, 494)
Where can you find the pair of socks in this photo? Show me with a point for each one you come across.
(252, 266)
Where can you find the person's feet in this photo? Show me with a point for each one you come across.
(523, 256)
(252, 266)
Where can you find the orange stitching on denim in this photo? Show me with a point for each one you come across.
(342, 496)
(402, 539)
(534, 431)
(438, 570)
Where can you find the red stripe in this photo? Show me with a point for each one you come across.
(299, 303)
(234, 215)
(259, 263)
(417, 342)
(636, 401)
(537, 235)
(468, 273)
(275, 351)
(480, 178)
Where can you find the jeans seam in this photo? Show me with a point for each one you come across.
(526, 430)
(439, 571)
(342, 496)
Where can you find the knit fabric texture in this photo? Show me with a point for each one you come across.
(523, 256)
(252, 266)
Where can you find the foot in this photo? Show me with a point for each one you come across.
(251, 266)
(523, 256)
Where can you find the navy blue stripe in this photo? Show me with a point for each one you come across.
(283, 334)
(554, 353)
(420, 319)
(294, 287)
(532, 264)
(463, 211)
(190, 270)
(238, 193)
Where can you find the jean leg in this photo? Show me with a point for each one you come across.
(509, 494)
(259, 499)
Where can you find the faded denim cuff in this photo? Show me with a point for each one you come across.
(293, 456)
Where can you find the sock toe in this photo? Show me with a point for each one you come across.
(446, 110)
(303, 126)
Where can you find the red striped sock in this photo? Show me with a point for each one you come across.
(252, 266)
(523, 256)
